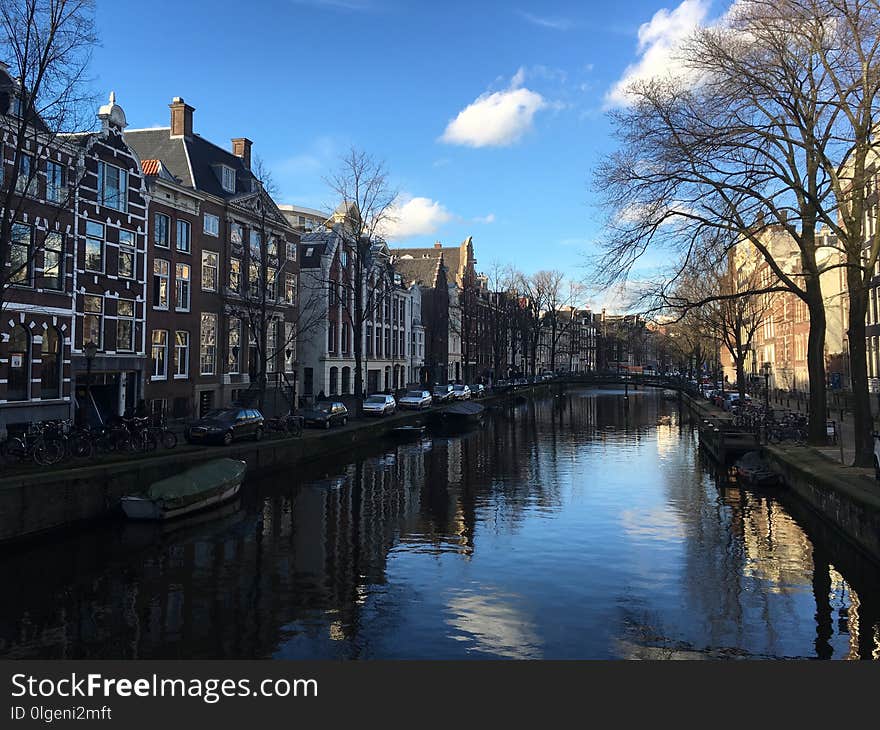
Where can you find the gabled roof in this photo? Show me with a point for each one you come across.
(424, 270)
(156, 144)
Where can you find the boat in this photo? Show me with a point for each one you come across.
(196, 489)
(464, 412)
(407, 431)
(752, 469)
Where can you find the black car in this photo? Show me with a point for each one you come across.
(225, 425)
(325, 414)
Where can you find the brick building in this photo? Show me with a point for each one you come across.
(223, 264)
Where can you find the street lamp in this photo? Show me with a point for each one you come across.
(766, 368)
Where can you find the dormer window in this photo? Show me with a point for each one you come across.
(227, 178)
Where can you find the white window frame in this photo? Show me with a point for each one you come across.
(99, 315)
(130, 318)
(211, 224)
(184, 349)
(164, 349)
(167, 277)
(184, 227)
(121, 186)
(186, 287)
(130, 249)
(92, 237)
(207, 256)
(227, 178)
(206, 347)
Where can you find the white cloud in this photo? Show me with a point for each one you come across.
(545, 22)
(659, 42)
(496, 119)
(413, 216)
(486, 219)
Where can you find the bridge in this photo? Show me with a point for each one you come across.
(623, 380)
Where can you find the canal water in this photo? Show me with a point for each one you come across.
(569, 526)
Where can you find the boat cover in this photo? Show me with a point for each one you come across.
(197, 483)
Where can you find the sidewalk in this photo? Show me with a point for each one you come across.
(845, 427)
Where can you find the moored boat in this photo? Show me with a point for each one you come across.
(464, 412)
(752, 469)
(407, 431)
(203, 486)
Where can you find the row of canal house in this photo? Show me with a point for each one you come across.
(145, 265)
(151, 264)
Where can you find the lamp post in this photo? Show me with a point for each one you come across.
(766, 368)
(90, 349)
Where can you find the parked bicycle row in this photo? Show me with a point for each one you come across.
(51, 442)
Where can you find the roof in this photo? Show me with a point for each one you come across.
(451, 256)
(194, 161)
(422, 270)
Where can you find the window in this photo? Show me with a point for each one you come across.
(93, 320)
(208, 349)
(346, 335)
(26, 182)
(161, 270)
(127, 255)
(235, 275)
(271, 346)
(378, 342)
(289, 347)
(112, 184)
(272, 246)
(160, 354)
(309, 251)
(209, 270)
(19, 371)
(20, 259)
(183, 236)
(125, 325)
(256, 245)
(270, 283)
(290, 288)
(291, 251)
(212, 225)
(331, 337)
(50, 370)
(369, 339)
(181, 287)
(54, 182)
(234, 346)
(228, 179)
(181, 354)
(236, 233)
(94, 247)
(161, 225)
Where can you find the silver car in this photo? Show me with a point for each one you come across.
(416, 399)
(380, 405)
(461, 392)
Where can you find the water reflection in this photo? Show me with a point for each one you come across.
(580, 525)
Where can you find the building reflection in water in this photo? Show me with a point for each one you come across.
(573, 526)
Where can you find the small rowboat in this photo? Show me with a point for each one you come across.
(752, 469)
(196, 489)
(407, 431)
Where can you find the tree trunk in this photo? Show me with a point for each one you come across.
(741, 376)
(816, 363)
(858, 365)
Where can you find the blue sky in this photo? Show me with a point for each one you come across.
(489, 115)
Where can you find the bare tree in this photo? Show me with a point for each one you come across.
(276, 321)
(741, 143)
(45, 50)
(364, 213)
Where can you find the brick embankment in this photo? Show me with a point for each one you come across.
(846, 496)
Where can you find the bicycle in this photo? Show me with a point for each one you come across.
(32, 444)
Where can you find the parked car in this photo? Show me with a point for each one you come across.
(325, 414)
(460, 391)
(416, 399)
(380, 405)
(478, 390)
(225, 425)
(442, 393)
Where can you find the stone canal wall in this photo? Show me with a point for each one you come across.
(41, 500)
(848, 498)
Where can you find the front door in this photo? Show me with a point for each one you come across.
(206, 402)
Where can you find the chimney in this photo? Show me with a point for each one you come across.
(437, 244)
(181, 118)
(241, 147)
